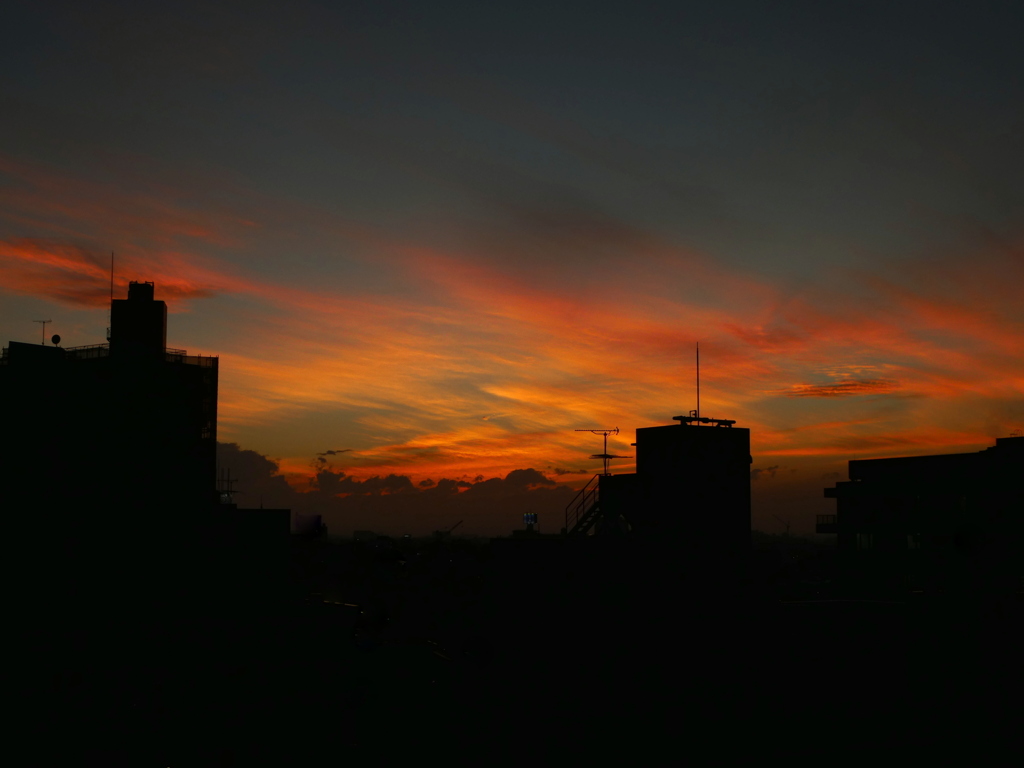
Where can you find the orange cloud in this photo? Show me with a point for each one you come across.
(488, 366)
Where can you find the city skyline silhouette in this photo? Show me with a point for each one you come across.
(304, 305)
(364, 496)
(445, 273)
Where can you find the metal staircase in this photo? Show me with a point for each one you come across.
(584, 510)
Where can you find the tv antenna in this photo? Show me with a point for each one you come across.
(606, 457)
(44, 322)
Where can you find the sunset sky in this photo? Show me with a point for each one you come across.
(436, 238)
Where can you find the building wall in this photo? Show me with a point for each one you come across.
(943, 523)
(695, 483)
(108, 455)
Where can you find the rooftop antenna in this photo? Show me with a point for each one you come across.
(606, 457)
(44, 322)
(694, 418)
(110, 308)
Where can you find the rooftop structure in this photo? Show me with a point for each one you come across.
(691, 489)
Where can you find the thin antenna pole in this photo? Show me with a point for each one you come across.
(698, 379)
(44, 322)
(110, 307)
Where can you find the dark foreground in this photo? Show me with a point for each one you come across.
(474, 654)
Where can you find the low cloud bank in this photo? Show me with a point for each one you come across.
(394, 504)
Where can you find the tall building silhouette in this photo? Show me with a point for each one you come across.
(109, 450)
(945, 523)
(690, 492)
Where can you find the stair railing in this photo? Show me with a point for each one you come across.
(582, 502)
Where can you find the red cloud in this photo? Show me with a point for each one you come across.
(845, 388)
(63, 272)
(73, 275)
(548, 346)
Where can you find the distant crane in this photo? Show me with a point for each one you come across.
(44, 322)
(443, 534)
(784, 522)
(606, 457)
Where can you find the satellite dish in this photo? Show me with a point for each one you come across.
(55, 339)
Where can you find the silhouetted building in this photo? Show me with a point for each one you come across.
(941, 523)
(108, 450)
(249, 549)
(690, 491)
(308, 526)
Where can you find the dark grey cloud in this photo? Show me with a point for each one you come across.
(447, 487)
(331, 483)
(394, 503)
(256, 478)
(768, 472)
(526, 478)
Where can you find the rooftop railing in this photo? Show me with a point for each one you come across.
(826, 524)
(93, 351)
(87, 352)
(182, 356)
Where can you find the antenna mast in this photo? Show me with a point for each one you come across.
(698, 379)
(606, 457)
(44, 322)
(110, 308)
